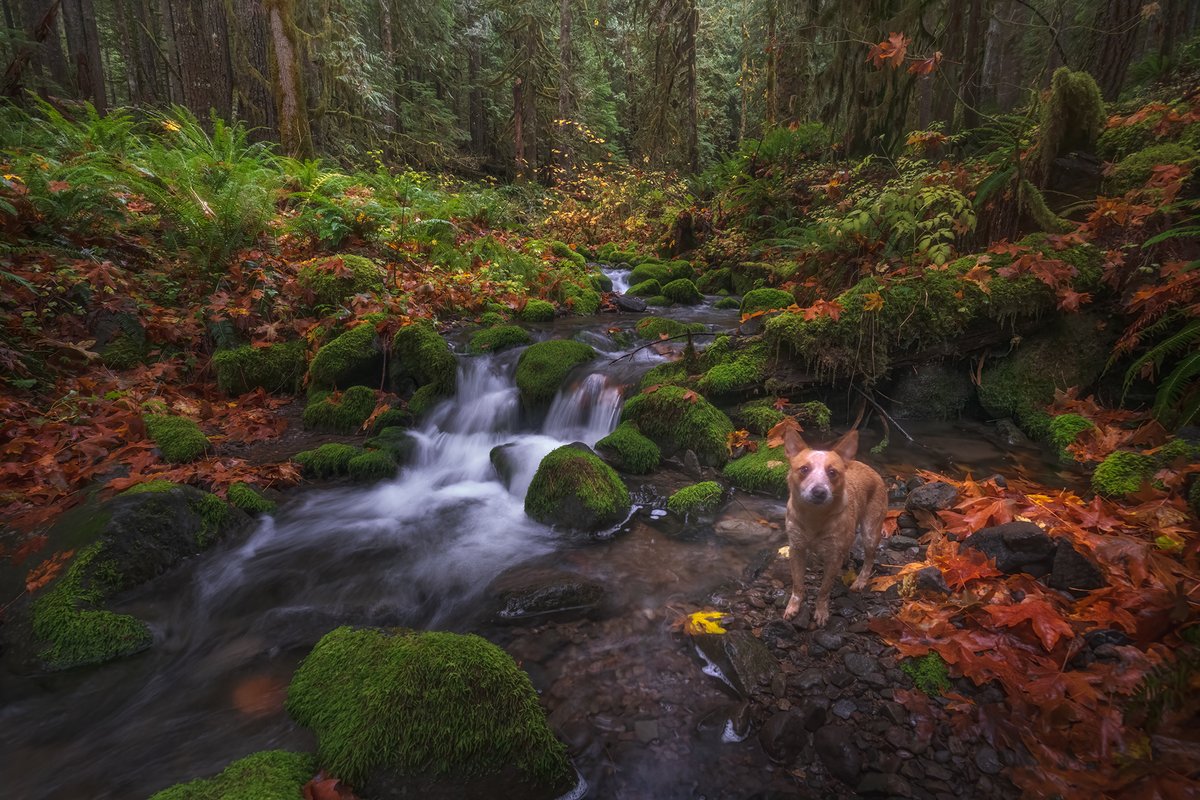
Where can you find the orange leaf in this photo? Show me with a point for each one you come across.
(1047, 623)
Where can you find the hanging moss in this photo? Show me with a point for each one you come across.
(699, 498)
(501, 337)
(353, 358)
(327, 461)
(1034, 204)
(631, 451)
(679, 419)
(1072, 118)
(537, 311)
(179, 439)
(683, 292)
(269, 775)
(335, 279)
(764, 470)
(573, 488)
(544, 366)
(276, 368)
(344, 413)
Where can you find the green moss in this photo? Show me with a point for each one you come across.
(276, 368)
(1116, 142)
(1194, 496)
(344, 413)
(766, 300)
(653, 328)
(354, 357)
(565, 252)
(764, 470)
(758, 416)
(1072, 117)
(727, 302)
(1065, 429)
(372, 465)
(335, 279)
(650, 271)
(658, 300)
(124, 351)
(68, 617)
(1177, 451)
(1122, 473)
(1135, 169)
(632, 451)
(699, 498)
(679, 419)
(248, 499)
(492, 318)
(392, 418)
(673, 372)
(537, 311)
(423, 704)
(159, 485)
(326, 461)
(600, 282)
(682, 291)
(582, 300)
(928, 673)
(748, 276)
(1034, 204)
(715, 281)
(396, 442)
(179, 439)
(422, 356)
(425, 400)
(574, 488)
(502, 337)
(269, 775)
(739, 370)
(544, 366)
(214, 513)
(650, 288)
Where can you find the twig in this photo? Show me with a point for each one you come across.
(665, 339)
(887, 417)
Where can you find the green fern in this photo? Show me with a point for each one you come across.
(1177, 396)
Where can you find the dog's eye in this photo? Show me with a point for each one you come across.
(804, 470)
(831, 472)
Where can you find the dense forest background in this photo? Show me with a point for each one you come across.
(519, 89)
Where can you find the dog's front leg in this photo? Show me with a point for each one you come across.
(831, 568)
(796, 558)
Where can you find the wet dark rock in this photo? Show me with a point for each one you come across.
(742, 658)
(894, 712)
(502, 461)
(859, 664)
(629, 303)
(934, 496)
(828, 639)
(777, 633)
(931, 391)
(743, 531)
(1105, 636)
(878, 784)
(839, 678)
(999, 480)
(523, 593)
(844, 708)
(691, 464)
(646, 730)
(836, 746)
(988, 761)
(930, 579)
(876, 680)
(897, 491)
(907, 521)
(902, 542)
(783, 736)
(810, 678)
(814, 712)
(1011, 434)
(1072, 571)
(1016, 547)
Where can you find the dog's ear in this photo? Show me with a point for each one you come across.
(847, 446)
(793, 445)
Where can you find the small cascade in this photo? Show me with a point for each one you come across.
(587, 411)
(619, 278)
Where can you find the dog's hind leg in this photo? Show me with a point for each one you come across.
(870, 532)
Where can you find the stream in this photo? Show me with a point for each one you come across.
(621, 688)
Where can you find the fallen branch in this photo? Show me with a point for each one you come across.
(665, 339)
(886, 416)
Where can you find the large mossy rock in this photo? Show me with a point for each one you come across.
(269, 775)
(764, 471)
(276, 368)
(930, 315)
(544, 366)
(574, 489)
(629, 450)
(178, 439)
(134, 537)
(421, 358)
(355, 358)
(333, 280)
(1071, 353)
(678, 419)
(432, 715)
(339, 412)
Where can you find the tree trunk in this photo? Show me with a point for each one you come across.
(43, 50)
(291, 108)
(529, 95)
(202, 48)
(519, 163)
(945, 101)
(83, 45)
(387, 40)
(252, 83)
(693, 90)
(972, 77)
(477, 120)
(1114, 37)
(772, 61)
(564, 82)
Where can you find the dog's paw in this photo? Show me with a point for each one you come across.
(793, 608)
(820, 617)
(860, 582)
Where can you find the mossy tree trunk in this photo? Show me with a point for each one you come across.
(290, 103)
(1114, 37)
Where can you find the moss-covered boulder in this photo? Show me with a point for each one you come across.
(650, 288)
(572, 488)
(662, 271)
(501, 337)
(340, 412)
(766, 299)
(1064, 429)
(544, 366)
(249, 499)
(132, 538)
(1132, 171)
(732, 368)
(332, 280)
(396, 442)
(269, 775)
(1122, 473)
(537, 311)
(422, 359)
(436, 715)
(275, 368)
(653, 328)
(354, 358)
(178, 439)
(1071, 353)
(715, 281)
(748, 276)
(582, 300)
(679, 419)
(683, 292)
(700, 498)
(763, 471)
(327, 461)
(758, 416)
(370, 466)
(727, 303)
(629, 450)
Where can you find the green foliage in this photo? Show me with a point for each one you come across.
(928, 673)
(372, 465)
(766, 299)
(179, 439)
(344, 413)
(275, 368)
(327, 461)
(423, 705)
(1177, 396)
(537, 311)
(1122, 473)
(575, 489)
(1065, 429)
(682, 291)
(1171, 684)
(1132, 171)
(501, 337)
(631, 451)
(273, 774)
(699, 498)
(544, 366)
(679, 419)
(333, 280)
(1072, 117)
(653, 328)
(249, 499)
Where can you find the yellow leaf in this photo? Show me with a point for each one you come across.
(785, 552)
(872, 301)
(774, 464)
(704, 622)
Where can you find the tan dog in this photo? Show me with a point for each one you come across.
(831, 499)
